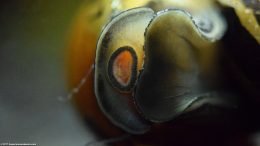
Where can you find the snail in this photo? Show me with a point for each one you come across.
(150, 62)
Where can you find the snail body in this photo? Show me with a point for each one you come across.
(154, 61)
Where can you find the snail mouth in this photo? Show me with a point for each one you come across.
(158, 107)
(210, 100)
(207, 111)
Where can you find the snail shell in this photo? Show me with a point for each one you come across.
(248, 16)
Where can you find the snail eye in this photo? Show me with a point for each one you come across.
(122, 68)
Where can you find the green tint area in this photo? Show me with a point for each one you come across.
(33, 36)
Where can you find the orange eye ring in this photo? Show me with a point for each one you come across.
(122, 68)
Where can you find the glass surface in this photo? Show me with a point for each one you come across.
(33, 36)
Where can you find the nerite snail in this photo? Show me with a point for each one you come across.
(152, 63)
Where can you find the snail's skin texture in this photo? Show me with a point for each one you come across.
(236, 68)
(170, 81)
(125, 30)
(169, 49)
